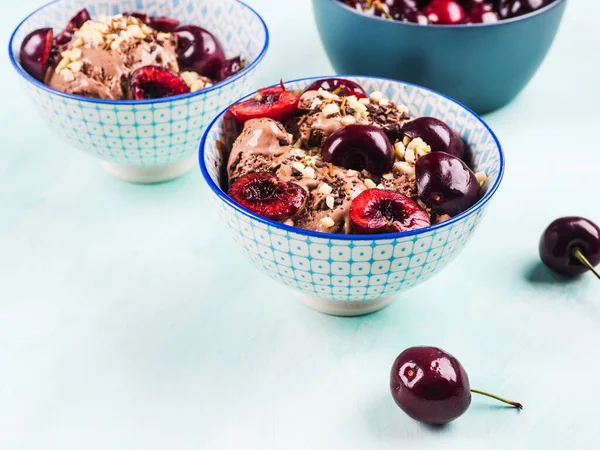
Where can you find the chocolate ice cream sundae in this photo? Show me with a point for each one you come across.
(335, 159)
(129, 56)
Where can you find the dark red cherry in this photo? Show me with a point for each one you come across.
(377, 211)
(275, 103)
(571, 246)
(35, 53)
(199, 51)
(514, 8)
(150, 82)
(446, 184)
(432, 386)
(338, 86)
(444, 12)
(406, 11)
(265, 195)
(75, 23)
(439, 136)
(359, 147)
(481, 11)
(229, 68)
(163, 24)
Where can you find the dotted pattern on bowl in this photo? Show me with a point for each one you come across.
(360, 269)
(158, 133)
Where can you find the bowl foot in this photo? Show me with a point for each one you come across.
(344, 308)
(150, 174)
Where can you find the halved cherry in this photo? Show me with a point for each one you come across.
(163, 24)
(75, 23)
(150, 82)
(275, 103)
(338, 86)
(263, 194)
(377, 211)
(36, 50)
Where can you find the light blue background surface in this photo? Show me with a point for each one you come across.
(129, 320)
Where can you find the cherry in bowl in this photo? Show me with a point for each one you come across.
(359, 147)
(275, 103)
(338, 86)
(199, 51)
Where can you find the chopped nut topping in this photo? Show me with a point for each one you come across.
(298, 166)
(327, 222)
(376, 96)
(387, 176)
(399, 149)
(481, 178)
(405, 168)
(298, 152)
(380, 186)
(308, 172)
(67, 74)
(331, 110)
(327, 95)
(364, 101)
(325, 189)
(289, 222)
(410, 156)
(316, 103)
(348, 120)
(330, 201)
(76, 66)
(370, 184)
(352, 173)
(419, 146)
(406, 140)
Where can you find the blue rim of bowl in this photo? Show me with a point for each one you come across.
(353, 237)
(548, 7)
(82, 98)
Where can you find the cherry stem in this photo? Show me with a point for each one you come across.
(583, 260)
(503, 400)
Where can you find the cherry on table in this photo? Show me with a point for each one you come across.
(75, 23)
(437, 134)
(338, 86)
(263, 194)
(446, 184)
(570, 246)
(275, 103)
(377, 211)
(359, 147)
(35, 53)
(432, 386)
(444, 12)
(151, 82)
(199, 51)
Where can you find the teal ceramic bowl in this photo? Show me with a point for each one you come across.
(482, 66)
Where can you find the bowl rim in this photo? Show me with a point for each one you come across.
(532, 14)
(353, 237)
(82, 98)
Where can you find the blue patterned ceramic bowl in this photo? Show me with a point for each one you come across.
(150, 140)
(353, 274)
(484, 66)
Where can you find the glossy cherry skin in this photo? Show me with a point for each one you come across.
(275, 103)
(513, 8)
(339, 86)
(229, 68)
(562, 237)
(377, 211)
(199, 51)
(75, 23)
(481, 11)
(444, 12)
(36, 50)
(439, 136)
(430, 385)
(406, 11)
(446, 184)
(359, 147)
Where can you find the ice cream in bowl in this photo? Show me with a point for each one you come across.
(136, 84)
(350, 189)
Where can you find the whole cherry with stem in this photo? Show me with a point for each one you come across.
(570, 246)
(432, 386)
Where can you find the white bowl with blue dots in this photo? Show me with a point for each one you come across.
(357, 274)
(148, 140)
